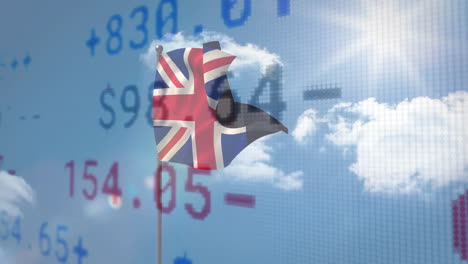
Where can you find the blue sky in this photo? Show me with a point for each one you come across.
(357, 180)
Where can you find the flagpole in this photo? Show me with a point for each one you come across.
(159, 49)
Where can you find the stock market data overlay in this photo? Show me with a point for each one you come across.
(234, 131)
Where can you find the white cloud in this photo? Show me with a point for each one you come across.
(252, 165)
(413, 146)
(306, 125)
(14, 191)
(248, 55)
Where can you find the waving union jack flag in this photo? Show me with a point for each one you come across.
(196, 121)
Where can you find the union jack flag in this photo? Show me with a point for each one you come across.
(196, 121)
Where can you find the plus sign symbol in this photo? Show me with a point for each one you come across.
(92, 42)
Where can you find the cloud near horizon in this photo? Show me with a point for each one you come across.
(306, 126)
(253, 165)
(413, 146)
(14, 192)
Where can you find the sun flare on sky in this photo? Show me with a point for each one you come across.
(387, 37)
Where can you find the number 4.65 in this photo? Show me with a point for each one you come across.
(111, 183)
